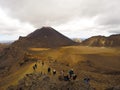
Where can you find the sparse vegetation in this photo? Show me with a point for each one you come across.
(100, 64)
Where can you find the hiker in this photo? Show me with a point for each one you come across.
(54, 72)
(36, 66)
(41, 73)
(74, 76)
(86, 80)
(71, 72)
(42, 63)
(62, 72)
(49, 69)
(66, 78)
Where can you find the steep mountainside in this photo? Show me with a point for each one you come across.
(46, 37)
(102, 41)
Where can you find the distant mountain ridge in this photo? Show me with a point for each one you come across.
(102, 41)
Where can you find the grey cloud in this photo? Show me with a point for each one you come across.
(110, 18)
(56, 12)
(11, 26)
(41, 12)
(115, 31)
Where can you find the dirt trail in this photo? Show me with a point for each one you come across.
(15, 77)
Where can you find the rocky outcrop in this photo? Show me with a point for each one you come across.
(36, 81)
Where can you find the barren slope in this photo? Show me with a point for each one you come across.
(101, 65)
(102, 41)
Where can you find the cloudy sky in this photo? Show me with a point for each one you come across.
(73, 18)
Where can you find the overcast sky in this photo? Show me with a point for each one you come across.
(73, 18)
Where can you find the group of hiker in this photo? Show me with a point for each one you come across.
(35, 65)
(49, 69)
(53, 71)
(69, 76)
(63, 76)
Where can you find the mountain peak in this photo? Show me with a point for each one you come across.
(42, 32)
(46, 37)
(46, 28)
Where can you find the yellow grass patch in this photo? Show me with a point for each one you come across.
(38, 49)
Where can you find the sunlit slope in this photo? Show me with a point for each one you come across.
(97, 57)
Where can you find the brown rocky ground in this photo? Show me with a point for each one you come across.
(101, 65)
